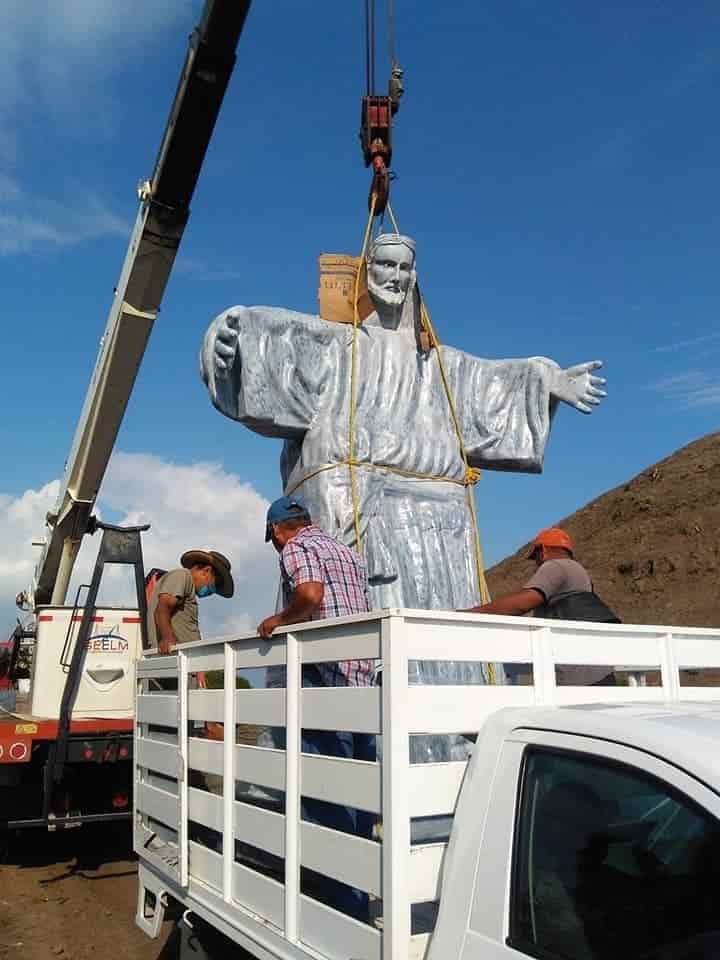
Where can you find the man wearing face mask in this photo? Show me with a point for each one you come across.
(173, 609)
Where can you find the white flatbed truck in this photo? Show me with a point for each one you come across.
(586, 823)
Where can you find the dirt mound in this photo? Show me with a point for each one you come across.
(652, 545)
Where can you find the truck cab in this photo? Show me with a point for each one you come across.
(587, 831)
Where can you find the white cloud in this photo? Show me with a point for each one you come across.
(692, 342)
(9, 189)
(190, 266)
(29, 223)
(21, 520)
(692, 389)
(8, 144)
(47, 46)
(56, 57)
(188, 505)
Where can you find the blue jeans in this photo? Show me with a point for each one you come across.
(353, 746)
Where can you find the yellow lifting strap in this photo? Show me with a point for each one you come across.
(471, 476)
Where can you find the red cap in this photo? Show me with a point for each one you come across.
(552, 537)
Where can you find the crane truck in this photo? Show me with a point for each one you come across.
(66, 747)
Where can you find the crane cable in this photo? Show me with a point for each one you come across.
(370, 42)
(392, 48)
(367, 48)
(353, 377)
(472, 474)
(370, 47)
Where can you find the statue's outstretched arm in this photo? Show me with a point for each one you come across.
(506, 407)
(269, 368)
(578, 387)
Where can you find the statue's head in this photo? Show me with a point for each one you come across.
(390, 270)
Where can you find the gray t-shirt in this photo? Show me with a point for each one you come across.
(184, 618)
(568, 576)
(559, 576)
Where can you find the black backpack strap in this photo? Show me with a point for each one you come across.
(577, 605)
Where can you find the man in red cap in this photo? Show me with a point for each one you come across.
(557, 575)
(560, 588)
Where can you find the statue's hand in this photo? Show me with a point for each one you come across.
(226, 344)
(578, 387)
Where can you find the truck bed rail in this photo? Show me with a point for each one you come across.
(241, 857)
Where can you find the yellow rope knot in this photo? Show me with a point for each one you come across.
(472, 475)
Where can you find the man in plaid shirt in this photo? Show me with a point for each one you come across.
(322, 578)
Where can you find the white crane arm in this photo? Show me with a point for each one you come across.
(163, 214)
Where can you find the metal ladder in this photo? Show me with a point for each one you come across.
(120, 545)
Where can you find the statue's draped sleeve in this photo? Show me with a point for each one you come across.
(283, 370)
(290, 368)
(505, 409)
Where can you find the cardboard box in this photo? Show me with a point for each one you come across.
(337, 288)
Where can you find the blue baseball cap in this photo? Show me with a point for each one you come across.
(284, 508)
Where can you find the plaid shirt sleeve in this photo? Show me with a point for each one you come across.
(301, 564)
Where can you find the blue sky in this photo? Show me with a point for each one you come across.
(557, 163)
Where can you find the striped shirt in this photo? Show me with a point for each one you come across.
(314, 557)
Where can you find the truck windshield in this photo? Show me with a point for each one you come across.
(609, 863)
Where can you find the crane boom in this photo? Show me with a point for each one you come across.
(161, 220)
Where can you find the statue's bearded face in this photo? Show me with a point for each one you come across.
(391, 273)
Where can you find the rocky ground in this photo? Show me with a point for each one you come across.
(71, 896)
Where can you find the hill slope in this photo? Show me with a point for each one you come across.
(652, 545)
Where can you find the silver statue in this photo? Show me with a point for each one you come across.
(286, 374)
